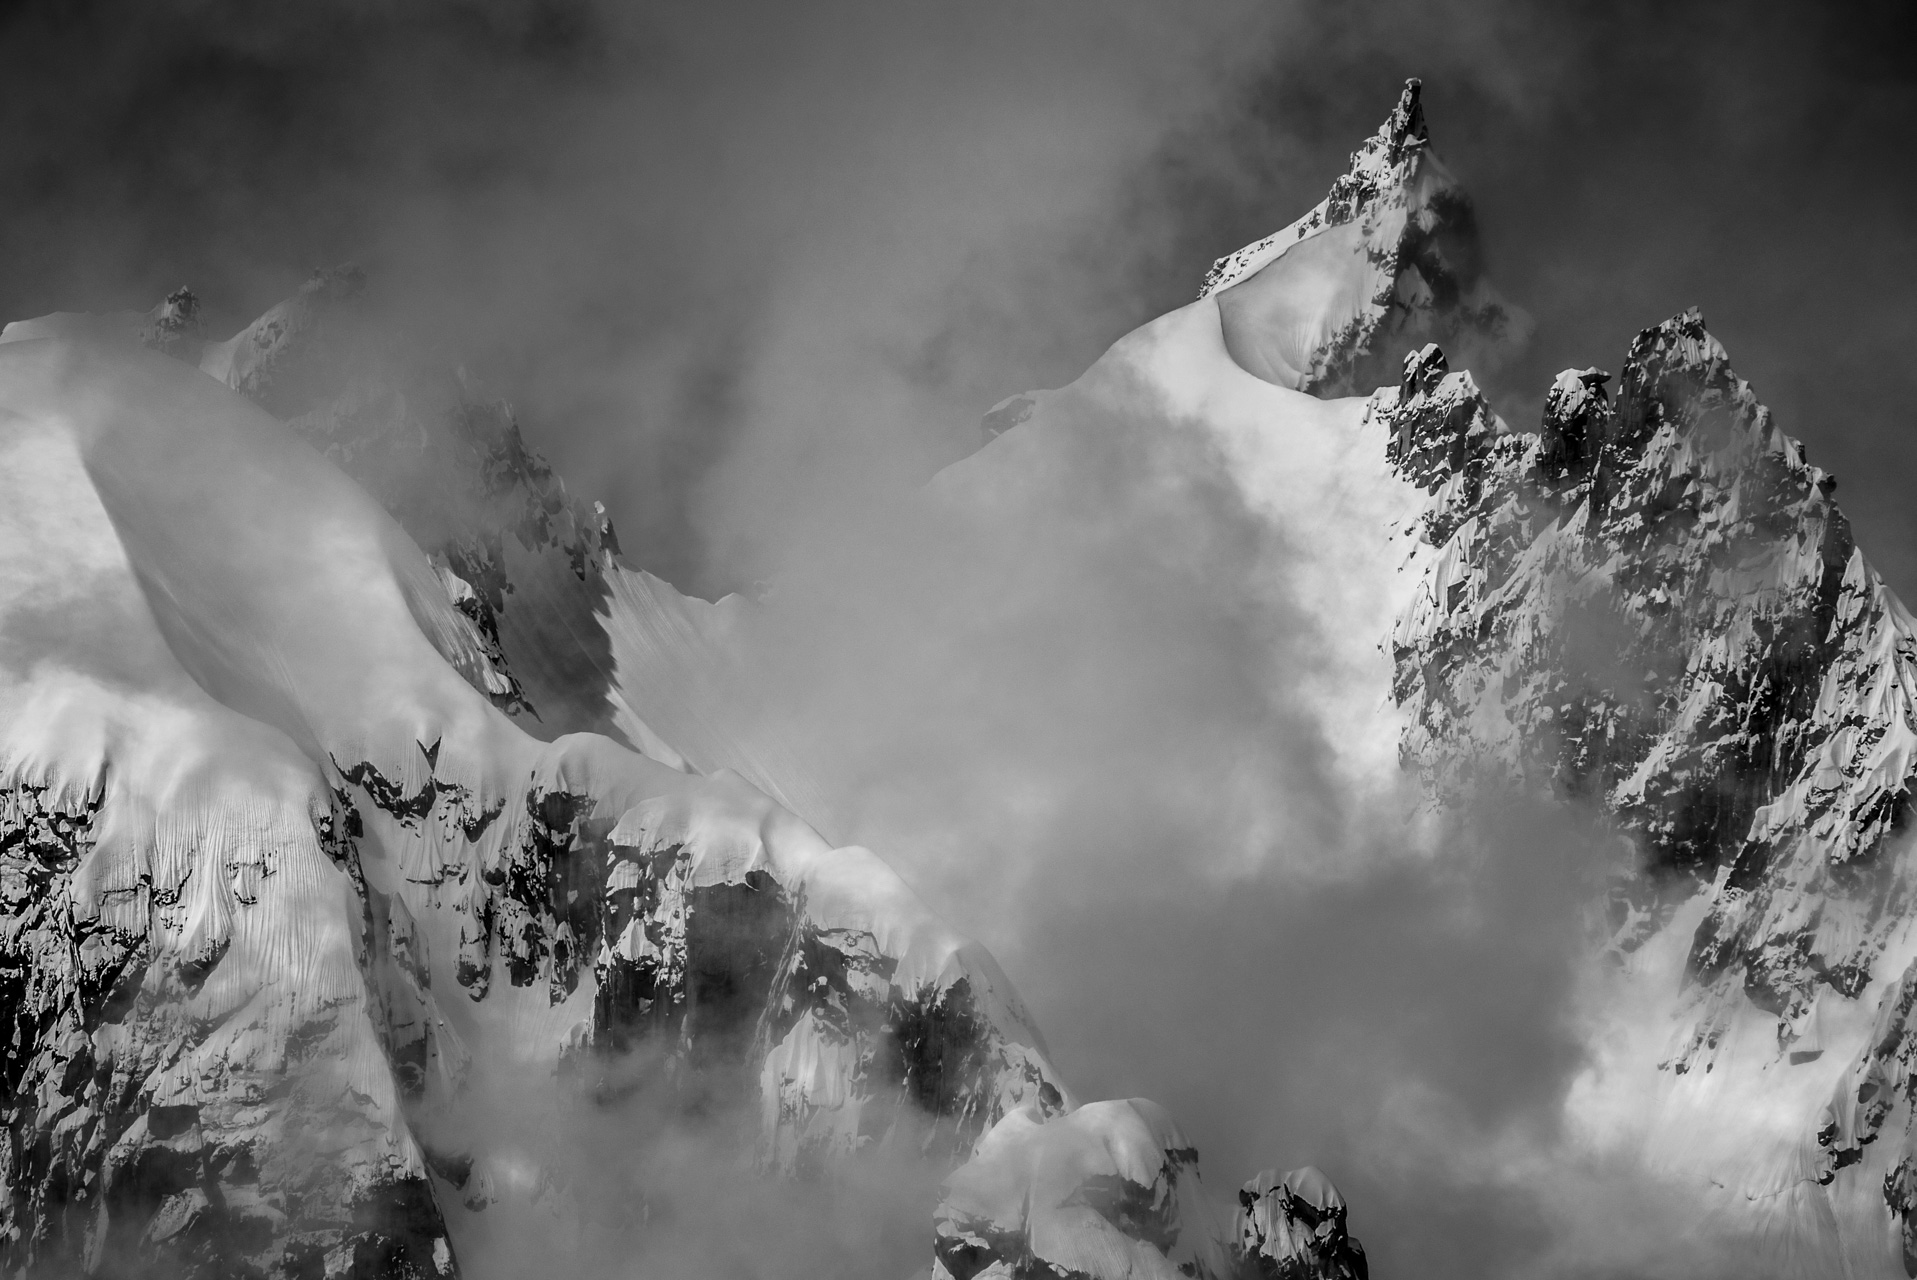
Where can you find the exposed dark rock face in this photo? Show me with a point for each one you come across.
(721, 976)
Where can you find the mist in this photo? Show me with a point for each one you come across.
(751, 273)
(624, 1168)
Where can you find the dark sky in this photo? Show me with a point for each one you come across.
(738, 262)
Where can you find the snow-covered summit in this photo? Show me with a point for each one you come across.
(1387, 261)
(1382, 164)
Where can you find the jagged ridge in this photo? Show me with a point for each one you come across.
(1655, 603)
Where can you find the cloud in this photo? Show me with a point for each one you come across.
(630, 1173)
(1071, 702)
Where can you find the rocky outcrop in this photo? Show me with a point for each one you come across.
(1293, 1228)
(1388, 261)
(1654, 603)
(161, 1117)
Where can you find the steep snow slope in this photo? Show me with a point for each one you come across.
(275, 871)
(679, 657)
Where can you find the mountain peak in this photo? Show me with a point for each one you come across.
(1405, 126)
(1386, 159)
(1388, 261)
(1379, 163)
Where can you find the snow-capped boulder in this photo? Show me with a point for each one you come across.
(1293, 1228)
